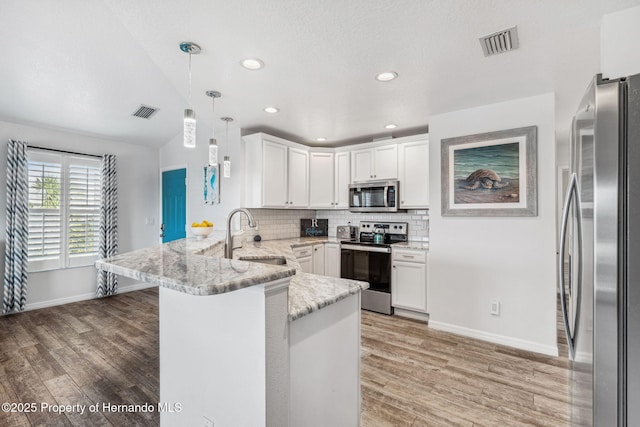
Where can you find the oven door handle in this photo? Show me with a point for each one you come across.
(386, 198)
(366, 248)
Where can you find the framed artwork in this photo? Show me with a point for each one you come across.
(211, 184)
(490, 174)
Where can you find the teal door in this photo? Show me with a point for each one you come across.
(174, 204)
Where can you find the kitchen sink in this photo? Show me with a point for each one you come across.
(272, 260)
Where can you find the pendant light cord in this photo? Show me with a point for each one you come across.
(189, 79)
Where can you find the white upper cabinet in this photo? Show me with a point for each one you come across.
(329, 178)
(284, 174)
(276, 173)
(298, 178)
(385, 162)
(321, 180)
(413, 174)
(375, 164)
(342, 180)
(362, 165)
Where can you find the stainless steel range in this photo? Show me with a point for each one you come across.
(368, 258)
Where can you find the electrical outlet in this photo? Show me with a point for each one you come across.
(149, 220)
(495, 308)
(208, 422)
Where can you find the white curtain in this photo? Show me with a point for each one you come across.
(108, 282)
(17, 229)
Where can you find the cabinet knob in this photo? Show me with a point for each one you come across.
(394, 266)
(370, 176)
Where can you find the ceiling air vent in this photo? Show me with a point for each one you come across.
(500, 42)
(145, 112)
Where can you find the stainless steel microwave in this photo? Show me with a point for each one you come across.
(378, 196)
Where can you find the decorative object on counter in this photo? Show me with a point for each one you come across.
(226, 166)
(189, 134)
(314, 227)
(201, 229)
(490, 174)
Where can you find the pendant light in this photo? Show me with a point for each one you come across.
(189, 139)
(226, 165)
(213, 144)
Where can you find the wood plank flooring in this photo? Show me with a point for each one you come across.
(415, 376)
(107, 351)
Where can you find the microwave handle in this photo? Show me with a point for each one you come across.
(386, 199)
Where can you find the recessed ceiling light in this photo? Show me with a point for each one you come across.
(271, 110)
(252, 63)
(391, 126)
(387, 76)
(321, 139)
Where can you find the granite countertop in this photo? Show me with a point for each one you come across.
(196, 267)
(412, 244)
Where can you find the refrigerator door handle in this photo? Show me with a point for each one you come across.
(572, 191)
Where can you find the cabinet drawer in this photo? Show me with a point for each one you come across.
(409, 255)
(302, 251)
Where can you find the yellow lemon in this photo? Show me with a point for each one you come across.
(203, 224)
(195, 224)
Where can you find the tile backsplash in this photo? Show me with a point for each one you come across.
(278, 223)
(285, 223)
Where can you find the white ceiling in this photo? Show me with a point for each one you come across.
(87, 65)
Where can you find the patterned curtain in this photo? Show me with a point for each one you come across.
(108, 282)
(15, 270)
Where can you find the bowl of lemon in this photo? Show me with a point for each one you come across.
(201, 229)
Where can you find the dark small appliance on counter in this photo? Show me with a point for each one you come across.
(314, 227)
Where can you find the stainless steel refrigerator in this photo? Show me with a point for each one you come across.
(599, 265)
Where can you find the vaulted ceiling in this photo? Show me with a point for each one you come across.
(86, 66)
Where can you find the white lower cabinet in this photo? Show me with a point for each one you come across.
(321, 258)
(332, 259)
(304, 255)
(318, 259)
(409, 279)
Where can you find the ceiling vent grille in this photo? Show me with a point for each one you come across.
(500, 42)
(145, 111)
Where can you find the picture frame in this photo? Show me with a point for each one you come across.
(211, 190)
(490, 174)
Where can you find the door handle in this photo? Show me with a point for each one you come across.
(572, 191)
(162, 228)
(386, 198)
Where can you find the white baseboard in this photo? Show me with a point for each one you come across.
(83, 297)
(424, 317)
(549, 350)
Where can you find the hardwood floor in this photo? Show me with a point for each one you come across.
(102, 350)
(415, 376)
(107, 351)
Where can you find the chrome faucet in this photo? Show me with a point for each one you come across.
(228, 244)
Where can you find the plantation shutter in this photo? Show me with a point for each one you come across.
(45, 174)
(84, 192)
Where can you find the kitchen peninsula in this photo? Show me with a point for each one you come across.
(247, 343)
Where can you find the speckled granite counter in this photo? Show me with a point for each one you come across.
(195, 267)
(412, 244)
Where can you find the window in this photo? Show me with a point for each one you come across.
(64, 210)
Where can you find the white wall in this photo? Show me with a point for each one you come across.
(137, 199)
(619, 35)
(474, 260)
(174, 154)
